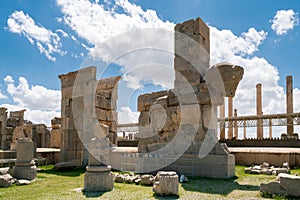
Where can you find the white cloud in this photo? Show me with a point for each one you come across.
(284, 20)
(46, 41)
(2, 96)
(63, 33)
(32, 97)
(41, 104)
(126, 115)
(113, 36)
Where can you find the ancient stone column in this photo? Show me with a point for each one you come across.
(222, 125)
(289, 104)
(260, 132)
(25, 166)
(245, 130)
(3, 120)
(230, 114)
(270, 128)
(236, 128)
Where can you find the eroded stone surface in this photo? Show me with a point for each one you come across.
(166, 183)
(285, 184)
(25, 166)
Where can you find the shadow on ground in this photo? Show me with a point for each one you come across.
(165, 197)
(216, 186)
(92, 194)
(72, 173)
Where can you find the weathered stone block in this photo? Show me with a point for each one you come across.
(167, 183)
(146, 100)
(102, 102)
(101, 114)
(144, 118)
(25, 172)
(112, 116)
(98, 181)
(209, 116)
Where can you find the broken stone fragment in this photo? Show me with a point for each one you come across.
(6, 180)
(286, 184)
(147, 179)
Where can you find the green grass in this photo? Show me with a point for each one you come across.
(67, 185)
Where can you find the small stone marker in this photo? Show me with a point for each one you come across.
(25, 166)
(167, 183)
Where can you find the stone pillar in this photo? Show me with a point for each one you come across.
(98, 176)
(167, 183)
(230, 114)
(289, 104)
(270, 128)
(236, 128)
(245, 130)
(222, 125)
(3, 120)
(260, 133)
(25, 167)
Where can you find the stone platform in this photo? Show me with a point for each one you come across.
(274, 156)
(128, 159)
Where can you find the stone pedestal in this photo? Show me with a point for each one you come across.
(98, 179)
(167, 183)
(25, 166)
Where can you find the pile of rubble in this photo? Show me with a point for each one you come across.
(6, 180)
(265, 168)
(164, 183)
(145, 179)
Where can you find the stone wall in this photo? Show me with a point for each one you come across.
(106, 94)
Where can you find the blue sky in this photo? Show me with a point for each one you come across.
(42, 39)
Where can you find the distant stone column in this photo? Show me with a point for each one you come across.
(230, 114)
(260, 132)
(270, 129)
(289, 104)
(236, 128)
(3, 120)
(25, 166)
(245, 130)
(222, 125)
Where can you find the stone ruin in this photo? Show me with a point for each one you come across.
(188, 112)
(265, 168)
(105, 101)
(56, 132)
(14, 127)
(185, 114)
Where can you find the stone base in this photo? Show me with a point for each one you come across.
(98, 179)
(167, 183)
(24, 172)
(211, 166)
